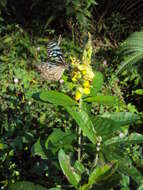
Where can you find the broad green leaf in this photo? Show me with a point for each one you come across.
(139, 91)
(105, 127)
(55, 188)
(84, 122)
(79, 167)
(1, 146)
(140, 187)
(73, 177)
(116, 140)
(26, 185)
(38, 150)
(3, 3)
(132, 172)
(125, 182)
(59, 139)
(108, 184)
(105, 100)
(125, 188)
(7, 40)
(123, 118)
(57, 98)
(116, 153)
(134, 138)
(132, 49)
(101, 173)
(84, 187)
(96, 83)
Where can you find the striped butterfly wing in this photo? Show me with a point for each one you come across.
(54, 53)
(55, 66)
(51, 71)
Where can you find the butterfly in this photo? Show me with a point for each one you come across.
(55, 66)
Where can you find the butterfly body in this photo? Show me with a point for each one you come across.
(54, 68)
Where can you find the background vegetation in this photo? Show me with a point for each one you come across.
(85, 132)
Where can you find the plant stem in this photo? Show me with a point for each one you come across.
(96, 160)
(79, 144)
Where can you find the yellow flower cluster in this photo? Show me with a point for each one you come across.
(83, 74)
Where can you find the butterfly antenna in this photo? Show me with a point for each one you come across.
(59, 39)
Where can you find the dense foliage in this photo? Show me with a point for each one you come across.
(85, 131)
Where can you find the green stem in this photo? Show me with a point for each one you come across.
(96, 160)
(79, 144)
(79, 136)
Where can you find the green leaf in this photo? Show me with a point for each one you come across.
(139, 91)
(134, 138)
(3, 3)
(38, 150)
(57, 98)
(79, 167)
(110, 183)
(59, 139)
(25, 185)
(7, 40)
(123, 118)
(96, 83)
(133, 51)
(101, 173)
(133, 173)
(84, 122)
(1, 146)
(84, 187)
(68, 170)
(116, 153)
(105, 127)
(140, 187)
(105, 100)
(116, 140)
(125, 182)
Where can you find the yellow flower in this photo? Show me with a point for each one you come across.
(74, 61)
(89, 75)
(84, 72)
(78, 95)
(86, 90)
(77, 75)
(86, 84)
(74, 78)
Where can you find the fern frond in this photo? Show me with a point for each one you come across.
(133, 49)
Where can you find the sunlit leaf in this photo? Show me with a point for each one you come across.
(68, 170)
(79, 167)
(1, 146)
(132, 172)
(105, 100)
(96, 83)
(59, 139)
(139, 91)
(57, 98)
(123, 118)
(134, 138)
(133, 50)
(38, 150)
(84, 122)
(101, 173)
(105, 127)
